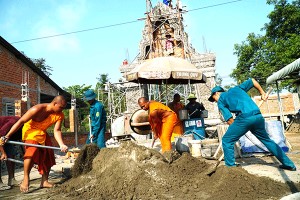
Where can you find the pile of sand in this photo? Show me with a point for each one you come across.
(137, 172)
(84, 161)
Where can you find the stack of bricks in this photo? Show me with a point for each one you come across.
(290, 104)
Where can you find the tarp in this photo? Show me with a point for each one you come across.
(294, 66)
(250, 144)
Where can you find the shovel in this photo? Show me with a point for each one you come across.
(213, 169)
(90, 127)
(14, 160)
(41, 146)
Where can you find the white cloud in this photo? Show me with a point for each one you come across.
(64, 18)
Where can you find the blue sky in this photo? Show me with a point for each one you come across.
(79, 58)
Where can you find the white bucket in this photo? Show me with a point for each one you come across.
(195, 148)
(208, 150)
(181, 143)
(183, 114)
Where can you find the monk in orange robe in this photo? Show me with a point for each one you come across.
(176, 106)
(35, 122)
(162, 121)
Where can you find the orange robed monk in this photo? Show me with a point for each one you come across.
(35, 123)
(176, 106)
(162, 121)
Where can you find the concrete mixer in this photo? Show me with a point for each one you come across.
(129, 126)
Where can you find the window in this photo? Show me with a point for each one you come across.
(8, 107)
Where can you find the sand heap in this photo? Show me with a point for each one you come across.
(137, 172)
(84, 161)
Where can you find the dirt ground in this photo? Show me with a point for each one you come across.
(136, 172)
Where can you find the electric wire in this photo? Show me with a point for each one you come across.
(73, 32)
(113, 25)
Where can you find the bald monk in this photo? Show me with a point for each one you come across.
(35, 122)
(162, 121)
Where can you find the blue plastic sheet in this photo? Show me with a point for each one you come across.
(250, 144)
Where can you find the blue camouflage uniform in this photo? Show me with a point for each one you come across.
(98, 123)
(248, 117)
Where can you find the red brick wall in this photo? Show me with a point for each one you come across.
(69, 139)
(12, 72)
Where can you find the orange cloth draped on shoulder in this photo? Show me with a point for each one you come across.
(35, 133)
(163, 124)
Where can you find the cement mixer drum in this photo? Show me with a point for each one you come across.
(139, 122)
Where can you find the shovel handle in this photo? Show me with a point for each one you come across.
(90, 127)
(262, 101)
(14, 160)
(41, 146)
(221, 157)
(32, 145)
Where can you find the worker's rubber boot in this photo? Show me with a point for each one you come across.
(287, 168)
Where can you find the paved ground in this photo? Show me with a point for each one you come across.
(268, 165)
(59, 173)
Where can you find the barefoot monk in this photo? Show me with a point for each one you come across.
(35, 123)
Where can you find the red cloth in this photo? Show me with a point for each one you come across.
(6, 122)
(44, 158)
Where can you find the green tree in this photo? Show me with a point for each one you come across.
(77, 90)
(262, 55)
(101, 88)
(41, 64)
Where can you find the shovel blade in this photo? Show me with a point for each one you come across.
(212, 169)
(74, 150)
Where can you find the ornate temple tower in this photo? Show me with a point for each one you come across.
(164, 35)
